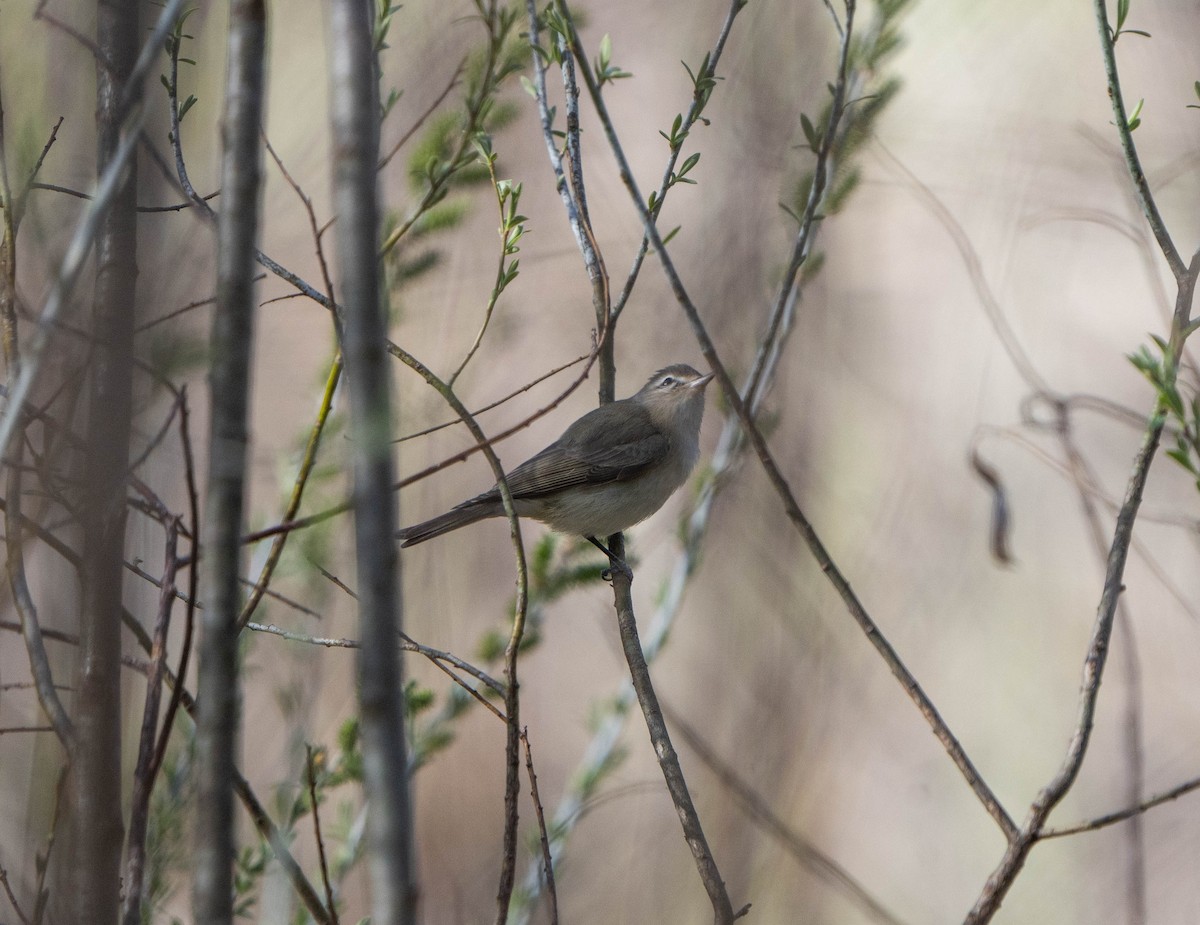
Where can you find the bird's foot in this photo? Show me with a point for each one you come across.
(618, 566)
(615, 563)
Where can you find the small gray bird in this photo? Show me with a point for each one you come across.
(611, 469)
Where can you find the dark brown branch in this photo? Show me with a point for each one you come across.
(233, 337)
(95, 779)
(311, 774)
(189, 468)
(355, 117)
(543, 835)
(144, 771)
(664, 751)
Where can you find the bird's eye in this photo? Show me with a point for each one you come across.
(668, 380)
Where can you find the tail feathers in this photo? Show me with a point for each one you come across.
(454, 518)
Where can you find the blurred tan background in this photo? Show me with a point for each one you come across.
(892, 370)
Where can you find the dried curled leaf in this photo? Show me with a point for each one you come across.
(998, 535)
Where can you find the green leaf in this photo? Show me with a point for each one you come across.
(670, 234)
(1143, 361)
(1174, 400)
(1135, 117)
(810, 133)
(1183, 459)
(1122, 13)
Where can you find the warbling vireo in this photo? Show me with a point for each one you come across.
(611, 469)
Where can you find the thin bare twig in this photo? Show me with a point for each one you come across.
(314, 228)
(424, 116)
(39, 663)
(1132, 719)
(4, 730)
(543, 836)
(311, 774)
(200, 202)
(193, 495)
(11, 898)
(270, 832)
(143, 776)
(80, 194)
(1132, 162)
(497, 403)
(1121, 815)
(434, 655)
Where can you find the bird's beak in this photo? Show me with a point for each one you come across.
(701, 382)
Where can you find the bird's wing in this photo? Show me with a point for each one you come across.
(612, 443)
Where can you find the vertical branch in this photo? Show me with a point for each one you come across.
(311, 776)
(144, 772)
(1132, 708)
(354, 95)
(1132, 162)
(95, 779)
(232, 344)
(547, 866)
(668, 758)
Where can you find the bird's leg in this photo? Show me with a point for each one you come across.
(616, 563)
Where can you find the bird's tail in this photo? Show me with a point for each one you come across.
(454, 518)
